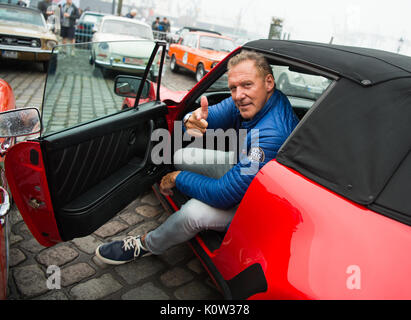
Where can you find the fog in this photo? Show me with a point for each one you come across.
(377, 24)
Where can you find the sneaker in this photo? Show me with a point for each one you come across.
(122, 251)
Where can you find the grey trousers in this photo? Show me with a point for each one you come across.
(194, 216)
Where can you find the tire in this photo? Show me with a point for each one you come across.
(200, 72)
(173, 64)
(45, 66)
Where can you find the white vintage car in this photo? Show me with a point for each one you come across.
(109, 51)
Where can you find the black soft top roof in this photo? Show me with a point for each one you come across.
(356, 140)
(366, 66)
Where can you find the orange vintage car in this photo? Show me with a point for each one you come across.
(199, 52)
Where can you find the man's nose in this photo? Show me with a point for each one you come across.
(239, 94)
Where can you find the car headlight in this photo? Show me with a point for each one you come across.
(51, 44)
(35, 43)
(103, 45)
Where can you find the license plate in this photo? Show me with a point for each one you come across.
(134, 61)
(9, 54)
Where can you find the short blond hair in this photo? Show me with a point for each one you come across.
(259, 60)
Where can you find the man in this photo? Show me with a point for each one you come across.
(42, 6)
(166, 24)
(216, 190)
(132, 14)
(69, 14)
(156, 24)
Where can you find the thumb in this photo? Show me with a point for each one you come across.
(204, 108)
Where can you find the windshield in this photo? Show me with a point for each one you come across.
(218, 44)
(127, 28)
(22, 16)
(92, 18)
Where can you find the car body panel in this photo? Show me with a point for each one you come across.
(309, 251)
(16, 40)
(27, 179)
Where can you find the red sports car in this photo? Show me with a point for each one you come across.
(329, 218)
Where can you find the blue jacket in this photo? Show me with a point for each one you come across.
(275, 121)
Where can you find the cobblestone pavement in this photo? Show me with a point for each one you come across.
(175, 275)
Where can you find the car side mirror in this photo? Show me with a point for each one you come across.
(127, 86)
(19, 122)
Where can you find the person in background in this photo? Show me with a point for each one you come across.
(132, 14)
(69, 14)
(42, 6)
(156, 24)
(166, 25)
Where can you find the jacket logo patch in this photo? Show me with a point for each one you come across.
(256, 154)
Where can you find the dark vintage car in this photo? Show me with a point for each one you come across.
(85, 24)
(329, 218)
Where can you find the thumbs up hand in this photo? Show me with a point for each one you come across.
(197, 125)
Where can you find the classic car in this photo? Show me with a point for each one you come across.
(9, 130)
(108, 52)
(174, 37)
(297, 83)
(199, 52)
(24, 35)
(85, 25)
(328, 218)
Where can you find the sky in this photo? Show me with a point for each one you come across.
(363, 22)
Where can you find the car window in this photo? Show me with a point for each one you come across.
(218, 44)
(302, 89)
(127, 28)
(298, 84)
(187, 40)
(193, 41)
(78, 90)
(19, 16)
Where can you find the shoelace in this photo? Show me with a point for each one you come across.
(133, 243)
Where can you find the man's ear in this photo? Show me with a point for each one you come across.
(269, 82)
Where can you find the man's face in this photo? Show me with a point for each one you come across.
(69, 2)
(249, 89)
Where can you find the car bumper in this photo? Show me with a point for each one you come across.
(122, 67)
(24, 53)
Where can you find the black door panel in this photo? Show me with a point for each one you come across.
(96, 169)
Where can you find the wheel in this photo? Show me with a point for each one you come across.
(45, 66)
(200, 72)
(283, 83)
(173, 64)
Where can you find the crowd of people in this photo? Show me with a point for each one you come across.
(69, 12)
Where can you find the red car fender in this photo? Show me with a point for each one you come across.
(7, 100)
(26, 176)
(314, 244)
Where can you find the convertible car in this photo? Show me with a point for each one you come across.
(329, 218)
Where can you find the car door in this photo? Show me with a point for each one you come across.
(70, 181)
